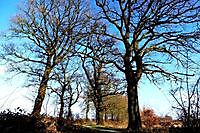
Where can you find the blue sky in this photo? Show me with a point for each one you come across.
(7, 9)
(12, 94)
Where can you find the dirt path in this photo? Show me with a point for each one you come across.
(103, 130)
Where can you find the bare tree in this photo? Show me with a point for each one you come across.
(187, 103)
(50, 30)
(150, 36)
(69, 88)
(100, 75)
(96, 82)
(87, 102)
(186, 98)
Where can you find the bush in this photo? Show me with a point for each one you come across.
(19, 122)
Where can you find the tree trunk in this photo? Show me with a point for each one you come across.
(99, 104)
(69, 114)
(132, 78)
(99, 111)
(117, 118)
(105, 116)
(62, 102)
(134, 121)
(87, 110)
(112, 117)
(41, 93)
(61, 108)
(99, 117)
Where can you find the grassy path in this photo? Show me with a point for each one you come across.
(102, 129)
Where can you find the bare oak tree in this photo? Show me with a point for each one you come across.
(100, 76)
(50, 30)
(95, 76)
(150, 37)
(69, 88)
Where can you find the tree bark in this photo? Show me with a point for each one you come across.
(61, 107)
(112, 117)
(134, 121)
(99, 108)
(41, 92)
(99, 117)
(62, 104)
(87, 110)
(132, 78)
(105, 116)
(117, 117)
(69, 114)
